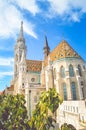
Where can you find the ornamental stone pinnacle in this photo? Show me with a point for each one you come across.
(21, 37)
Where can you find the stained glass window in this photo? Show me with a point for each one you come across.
(71, 71)
(73, 88)
(62, 72)
(65, 91)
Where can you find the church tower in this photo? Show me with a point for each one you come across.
(46, 48)
(19, 52)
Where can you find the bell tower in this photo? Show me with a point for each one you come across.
(46, 48)
(19, 51)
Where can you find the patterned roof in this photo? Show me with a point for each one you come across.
(63, 50)
(34, 65)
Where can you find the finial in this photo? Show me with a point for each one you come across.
(21, 30)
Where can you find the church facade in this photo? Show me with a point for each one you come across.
(63, 68)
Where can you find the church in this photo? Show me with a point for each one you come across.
(62, 68)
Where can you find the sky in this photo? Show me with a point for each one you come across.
(57, 19)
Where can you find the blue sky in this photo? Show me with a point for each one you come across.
(57, 19)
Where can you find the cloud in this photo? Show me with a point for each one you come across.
(6, 67)
(6, 62)
(29, 5)
(10, 17)
(6, 73)
(67, 9)
(3, 74)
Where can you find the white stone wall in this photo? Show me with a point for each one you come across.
(73, 112)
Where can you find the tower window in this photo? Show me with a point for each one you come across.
(82, 83)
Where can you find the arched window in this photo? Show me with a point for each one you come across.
(79, 69)
(62, 72)
(73, 88)
(65, 91)
(54, 73)
(71, 71)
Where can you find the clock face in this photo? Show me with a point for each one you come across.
(33, 79)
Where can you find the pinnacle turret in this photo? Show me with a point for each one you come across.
(46, 48)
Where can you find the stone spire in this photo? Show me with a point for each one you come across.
(21, 37)
(46, 48)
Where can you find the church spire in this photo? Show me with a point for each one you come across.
(46, 48)
(21, 37)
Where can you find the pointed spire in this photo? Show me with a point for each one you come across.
(46, 48)
(21, 30)
(46, 42)
(21, 37)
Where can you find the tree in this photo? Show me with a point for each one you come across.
(65, 126)
(41, 119)
(13, 113)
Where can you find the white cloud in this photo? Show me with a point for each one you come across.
(6, 62)
(67, 9)
(3, 74)
(10, 17)
(29, 5)
(6, 67)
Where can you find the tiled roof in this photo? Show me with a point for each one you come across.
(63, 50)
(34, 65)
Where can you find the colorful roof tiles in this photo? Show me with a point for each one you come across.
(63, 50)
(34, 65)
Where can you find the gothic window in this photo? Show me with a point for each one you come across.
(82, 89)
(71, 71)
(79, 70)
(62, 72)
(73, 89)
(65, 91)
(54, 73)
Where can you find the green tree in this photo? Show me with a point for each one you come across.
(49, 101)
(65, 126)
(13, 113)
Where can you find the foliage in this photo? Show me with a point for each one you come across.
(49, 100)
(13, 113)
(65, 126)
